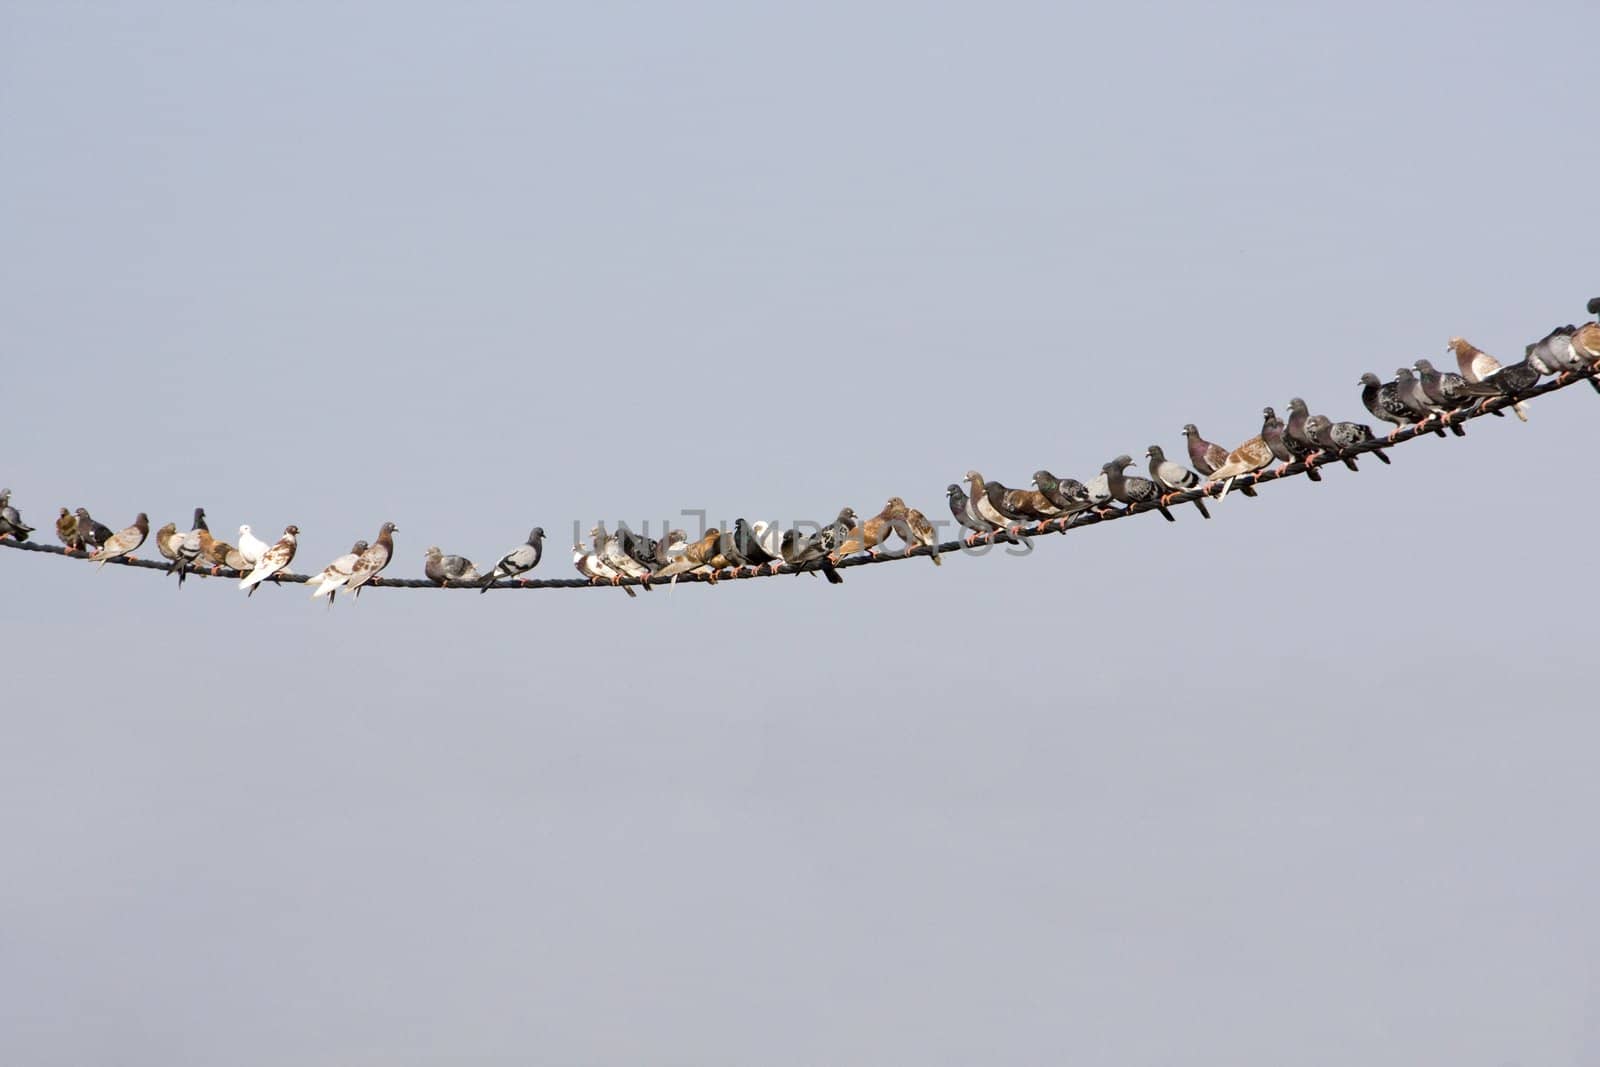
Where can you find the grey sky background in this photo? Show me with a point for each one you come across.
(1309, 783)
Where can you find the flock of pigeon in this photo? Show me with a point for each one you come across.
(1419, 396)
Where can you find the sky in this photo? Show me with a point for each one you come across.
(1310, 782)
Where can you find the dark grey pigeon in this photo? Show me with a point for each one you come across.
(1068, 494)
(1129, 490)
(11, 519)
(1514, 379)
(1350, 434)
(976, 525)
(749, 547)
(1173, 477)
(91, 532)
(1284, 447)
(1318, 430)
(1409, 389)
(519, 560)
(1383, 400)
(1450, 390)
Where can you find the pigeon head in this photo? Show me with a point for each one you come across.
(1154, 452)
(432, 552)
(358, 548)
(1042, 480)
(1122, 461)
(536, 535)
(1370, 379)
(1297, 406)
(292, 530)
(953, 489)
(1403, 374)
(1268, 413)
(82, 513)
(65, 512)
(1459, 345)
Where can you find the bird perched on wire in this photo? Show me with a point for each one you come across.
(125, 541)
(1129, 490)
(750, 549)
(1294, 436)
(519, 560)
(11, 523)
(272, 561)
(91, 534)
(1383, 400)
(608, 551)
(1477, 365)
(168, 539)
(962, 510)
(1251, 456)
(1319, 431)
(1067, 495)
(67, 531)
(1345, 435)
(187, 550)
(1276, 436)
(913, 528)
(866, 536)
(1451, 391)
(596, 569)
(1173, 477)
(1554, 353)
(336, 574)
(250, 546)
(1206, 457)
(697, 558)
(373, 560)
(443, 570)
(1408, 387)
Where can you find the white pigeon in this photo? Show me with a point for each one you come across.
(250, 546)
(272, 560)
(335, 574)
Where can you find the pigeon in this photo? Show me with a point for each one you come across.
(67, 531)
(1026, 503)
(374, 559)
(519, 560)
(609, 553)
(272, 560)
(91, 534)
(770, 538)
(1382, 399)
(1067, 495)
(1098, 490)
(1129, 490)
(1450, 390)
(1173, 477)
(751, 549)
(800, 551)
(867, 535)
(979, 503)
(1295, 438)
(1514, 379)
(1554, 353)
(10, 521)
(975, 525)
(914, 529)
(168, 539)
(1319, 429)
(640, 547)
(1276, 436)
(1477, 365)
(1586, 342)
(188, 550)
(1207, 457)
(1408, 387)
(1350, 434)
(335, 574)
(592, 567)
(218, 553)
(1249, 457)
(443, 570)
(250, 546)
(697, 557)
(124, 541)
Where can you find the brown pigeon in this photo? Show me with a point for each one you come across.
(125, 541)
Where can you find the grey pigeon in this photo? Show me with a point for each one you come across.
(187, 550)
(1129, 490)
(1383, 400)
(1295, 437)
(1174, 477)
(91, 533)
(1409, 389)
(441, 569)
(11, 520)
(1098, 490)
(975, 525)
(1514, 379)
(1553, 353)
(373, 560)
(1066, 494)
(1450, 390)
(519, 560)
(1318, 429)
(1276, 435)
(1350, 434)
